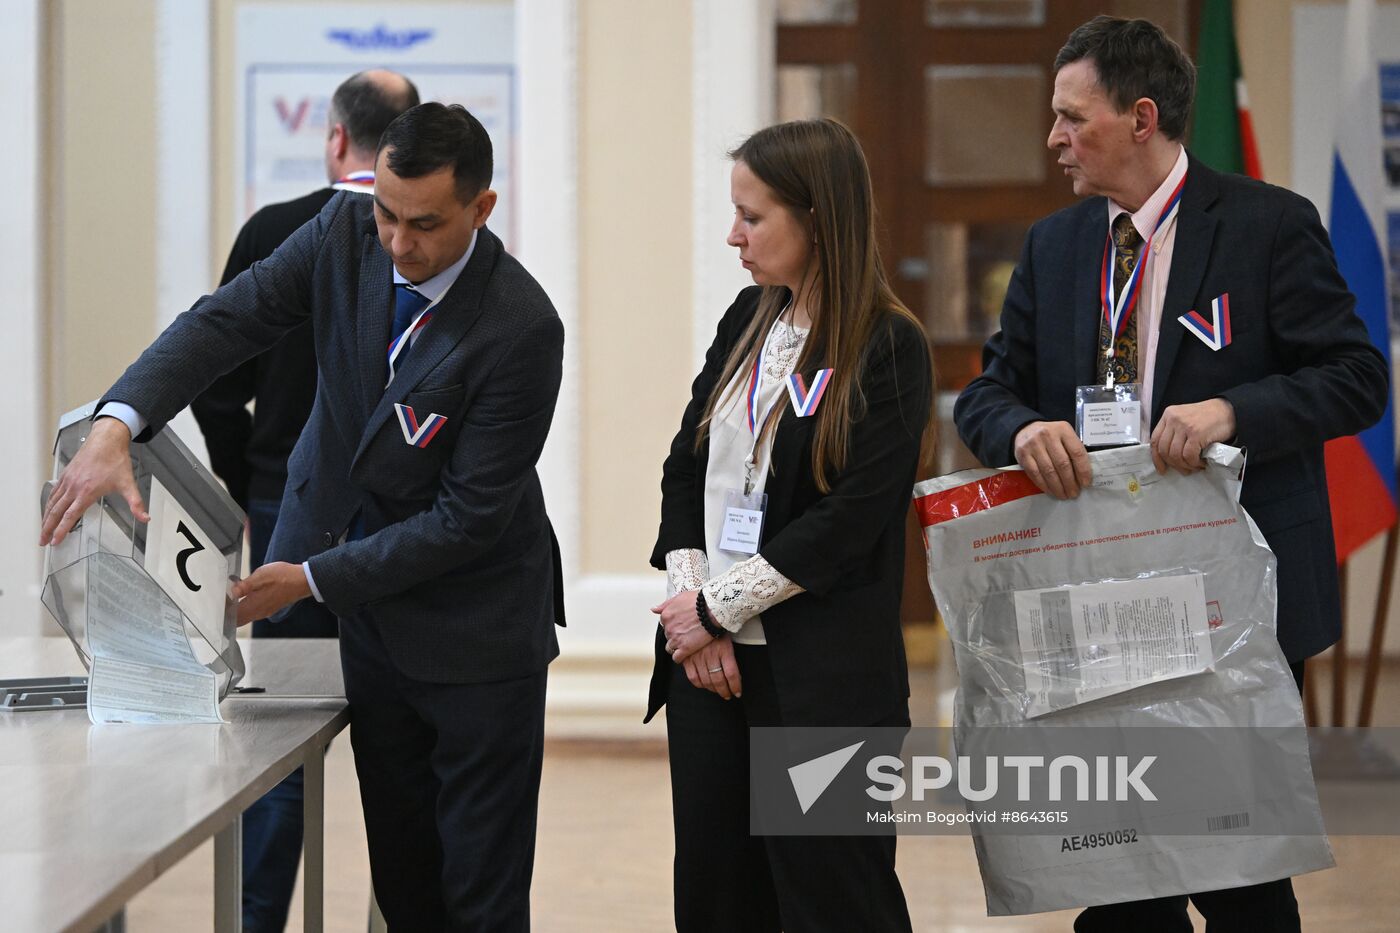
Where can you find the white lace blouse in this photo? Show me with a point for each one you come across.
(738, 589)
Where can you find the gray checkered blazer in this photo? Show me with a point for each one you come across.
(459, 568)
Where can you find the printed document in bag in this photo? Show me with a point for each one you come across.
(1079, 643)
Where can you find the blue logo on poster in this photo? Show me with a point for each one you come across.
(379, 37)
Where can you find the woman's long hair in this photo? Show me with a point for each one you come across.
(816, 169)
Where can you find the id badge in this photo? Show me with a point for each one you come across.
(743, 522)
(1109, 416)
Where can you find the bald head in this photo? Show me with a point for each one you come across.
(365, 104)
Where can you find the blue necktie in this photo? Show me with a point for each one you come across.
(407, 304)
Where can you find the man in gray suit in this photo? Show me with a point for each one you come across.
(412, 507)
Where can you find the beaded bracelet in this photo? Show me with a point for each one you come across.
(702, 610)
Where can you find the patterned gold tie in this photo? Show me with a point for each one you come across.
(1124, 361)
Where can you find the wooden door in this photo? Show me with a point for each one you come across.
(951, 101)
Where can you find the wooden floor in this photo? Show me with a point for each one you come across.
(604, 854)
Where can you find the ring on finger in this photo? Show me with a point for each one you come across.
(715, 670)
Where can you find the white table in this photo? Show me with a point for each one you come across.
(90, 815)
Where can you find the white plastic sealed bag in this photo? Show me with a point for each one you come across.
(1147, 603)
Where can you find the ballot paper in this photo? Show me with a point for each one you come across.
(143, 667)
(1079, 643)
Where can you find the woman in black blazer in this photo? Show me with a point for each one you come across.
(782, 534)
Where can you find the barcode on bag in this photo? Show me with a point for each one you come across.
(1219, 824)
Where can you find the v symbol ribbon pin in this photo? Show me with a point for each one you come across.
(1214, 333)
(805, 402)
(414, 433)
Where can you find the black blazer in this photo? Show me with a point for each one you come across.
(459, 569)
(1301, 368)
(249, 451)
(837, 650)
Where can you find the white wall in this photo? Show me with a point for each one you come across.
(22, 417)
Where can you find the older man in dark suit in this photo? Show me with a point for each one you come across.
(1219, 297)
(413, 509)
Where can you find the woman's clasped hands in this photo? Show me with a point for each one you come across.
(708, 661)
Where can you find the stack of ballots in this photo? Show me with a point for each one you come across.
(1138, 617)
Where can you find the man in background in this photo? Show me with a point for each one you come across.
(249, 451)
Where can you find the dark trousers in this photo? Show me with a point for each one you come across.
(272, 826)
(728, 880)
(1257, 908)
(449, 782)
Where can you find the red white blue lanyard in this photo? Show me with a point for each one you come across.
(755, 417)
(356, 181)
(396, 347)
(1116, 314)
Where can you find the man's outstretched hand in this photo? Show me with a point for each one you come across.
(102, 465)
(268, 589)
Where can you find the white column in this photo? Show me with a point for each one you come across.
(732, 95)
(184, 188)
(23, 417)
(599, 684)
(546, 58)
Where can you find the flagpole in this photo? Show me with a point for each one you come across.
(1339, 655)
(1310, 714)
(1378, 624)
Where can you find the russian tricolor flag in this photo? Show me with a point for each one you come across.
(1361, 469)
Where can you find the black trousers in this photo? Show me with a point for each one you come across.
(1258, 908)
(726, 879)
(449, 782)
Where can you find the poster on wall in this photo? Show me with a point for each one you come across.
(1390, 139)
(289, 59)
(1390, 128)
(1393, 236)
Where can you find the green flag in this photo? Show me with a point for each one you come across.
(1222, 135)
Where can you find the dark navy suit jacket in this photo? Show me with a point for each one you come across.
(1299, 371)
(249, 451)
(458, 569)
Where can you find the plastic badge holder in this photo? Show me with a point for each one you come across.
(108, 542)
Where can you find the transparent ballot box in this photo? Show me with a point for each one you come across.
(153, 594)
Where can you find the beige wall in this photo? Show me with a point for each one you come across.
(222, 214)
(634, 267)
(1264, 30)
(101, 215)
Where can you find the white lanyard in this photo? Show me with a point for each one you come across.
(420, 320)
(751, 403)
